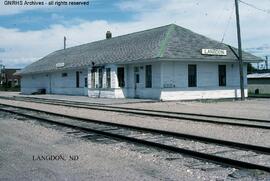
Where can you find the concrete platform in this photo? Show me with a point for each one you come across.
(103, 101)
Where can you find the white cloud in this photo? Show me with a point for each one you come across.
(209, 18)
(26, 47)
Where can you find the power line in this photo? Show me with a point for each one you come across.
(255, 7)
(228, 23)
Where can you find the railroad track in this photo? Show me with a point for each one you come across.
(214, 119)
(225, 153)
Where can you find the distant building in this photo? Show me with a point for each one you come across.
(259, 83)
(164, 63)
(8, 78)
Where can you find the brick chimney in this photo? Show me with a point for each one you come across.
(108, 35)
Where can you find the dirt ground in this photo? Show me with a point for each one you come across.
(258, 108)
(225, 132)
(103, 159)
(23, 141)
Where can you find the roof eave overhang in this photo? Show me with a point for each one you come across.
(156, 59)
(209, 60)
(54, 70)
(258, 77)
(149, 60)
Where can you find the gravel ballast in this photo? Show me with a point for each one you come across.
(233, 133)
(99, 158)
(250, 108)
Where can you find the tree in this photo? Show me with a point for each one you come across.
(250, 69)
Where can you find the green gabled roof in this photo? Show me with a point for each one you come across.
(166, 42)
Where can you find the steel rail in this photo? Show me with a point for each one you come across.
(148, 110)
(255, 148)
(145, 113)
(75, 103)
(203, 156)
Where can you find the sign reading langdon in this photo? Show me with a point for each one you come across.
(218, 52)
(58, 65)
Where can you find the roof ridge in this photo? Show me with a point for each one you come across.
(97, 41)
(170, 42)
(218, 43)
(164, 43)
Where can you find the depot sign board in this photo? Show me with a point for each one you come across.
(217, 52)
(59, 65)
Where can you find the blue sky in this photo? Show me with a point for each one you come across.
(28, 33)
(39, 19)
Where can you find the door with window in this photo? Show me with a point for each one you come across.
(85, 85)
(136, 82)
(192, 75)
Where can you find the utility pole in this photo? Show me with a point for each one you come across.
(240, 58)
(266, 62)
(2, 67)
(3, 76)
(65, 42)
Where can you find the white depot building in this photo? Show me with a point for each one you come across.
(164, 63)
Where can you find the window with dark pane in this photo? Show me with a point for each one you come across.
(137, 79)
(85, 82)
(222, 75)
(77, 79)
(192, 75)
(100, 78)
(108, 77)
(121, 76)
(148, 76)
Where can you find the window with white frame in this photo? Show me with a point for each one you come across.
(93, 78)
(148, 76)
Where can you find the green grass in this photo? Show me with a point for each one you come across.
(259, 95)
(13, 89)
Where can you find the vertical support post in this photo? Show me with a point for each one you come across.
(240, 58)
